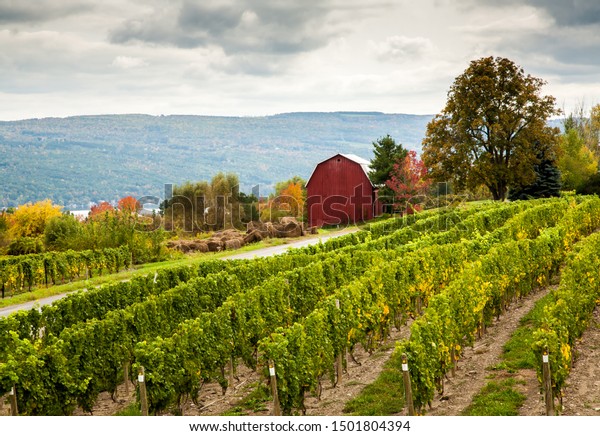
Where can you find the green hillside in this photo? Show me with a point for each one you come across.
(80, 159)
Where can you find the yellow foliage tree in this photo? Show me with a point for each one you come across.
(293, 197)
(577, 162)
(29, 220)
(288, 201)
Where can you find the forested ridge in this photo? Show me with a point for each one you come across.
(77, 160)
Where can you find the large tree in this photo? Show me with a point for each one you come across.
(29, 220)
(488, 131)
(289, 200)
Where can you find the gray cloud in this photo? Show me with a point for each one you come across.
(564, 12)
(20, 11)
(256, 26)
(570, 12)
(213, 20)
(573, 52)
(556, 37)
(251, 57)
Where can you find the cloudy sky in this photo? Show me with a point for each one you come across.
(260, 57)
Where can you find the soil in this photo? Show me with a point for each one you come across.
(333, 398)
(357, 376)
(582, 394)
(473, 371)
(106, 406)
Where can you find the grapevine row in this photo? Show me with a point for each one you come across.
(482, 291)
(363, 311)
(97, 349)
(568, 313)
(96, 303)
(27, 271)
(177, 365)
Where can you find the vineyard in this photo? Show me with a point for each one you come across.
(21, 273)
(294, 318)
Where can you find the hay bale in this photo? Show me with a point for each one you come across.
(254, 236)
(214, 245)
(173, 244)
(233, 244)
(232, 233)
(271, 231)
(285, 220)
(198, 245)
(258, 226)
(194, 245)
(253, 225)
(290, 230)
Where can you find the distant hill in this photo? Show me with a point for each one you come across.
(80, 159)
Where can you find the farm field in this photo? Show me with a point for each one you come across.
(329, 318)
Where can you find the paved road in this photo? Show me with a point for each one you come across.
(261, 252)
(5, 311)
(278, 249)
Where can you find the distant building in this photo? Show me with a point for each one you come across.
(340, 192)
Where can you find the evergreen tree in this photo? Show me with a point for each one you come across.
(387, 153)
(547, 182)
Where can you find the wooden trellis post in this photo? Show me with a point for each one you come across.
(547, 383)
(14, 410)
(143, 395)
(407, 387)
(276, 405)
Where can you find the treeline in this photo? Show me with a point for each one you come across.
(208, 206)
(205, 206)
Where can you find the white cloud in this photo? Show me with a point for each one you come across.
(402, 48)
(128, 62)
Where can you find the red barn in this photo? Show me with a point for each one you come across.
(339, 191)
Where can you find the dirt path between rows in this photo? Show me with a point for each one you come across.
(471, 374)
(333, 399)
(582, 394)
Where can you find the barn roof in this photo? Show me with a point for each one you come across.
(364, 164)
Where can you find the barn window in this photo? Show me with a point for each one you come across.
(338, 159)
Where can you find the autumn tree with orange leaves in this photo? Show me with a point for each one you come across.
(288, 200)
(129, 204)
(101, 209)
(409, 181)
